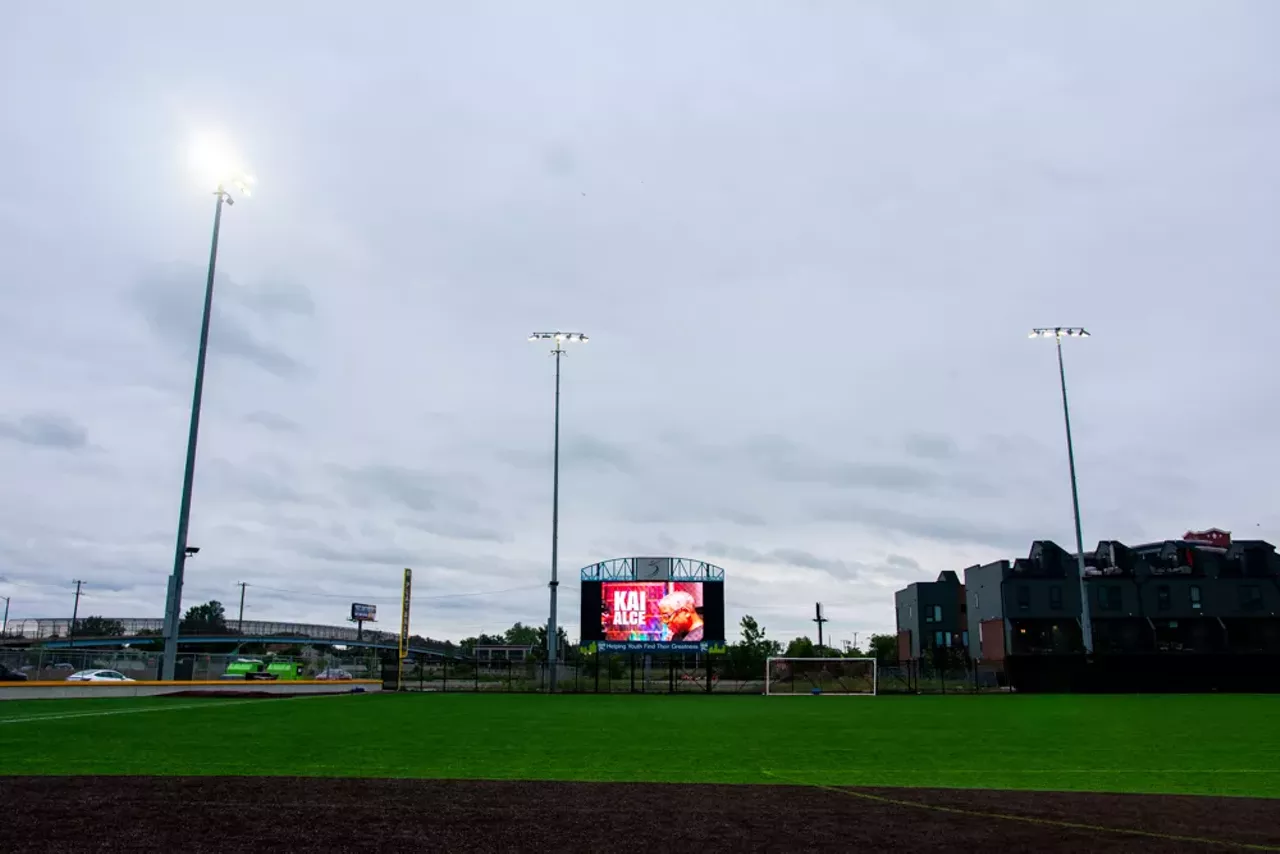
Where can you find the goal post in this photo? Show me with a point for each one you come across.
(826, 677)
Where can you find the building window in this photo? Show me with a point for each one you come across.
(1109, 598)
(964, 639)
(940, 638)
(937, 613)
(1024, 597)
(1195, 597)
(1163, 601)
(1055, 597)
(1250, 597)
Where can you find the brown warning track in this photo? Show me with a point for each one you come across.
(235, 814)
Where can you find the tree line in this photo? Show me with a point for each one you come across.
(747, 654)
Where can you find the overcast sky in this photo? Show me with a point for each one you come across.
(807, 240)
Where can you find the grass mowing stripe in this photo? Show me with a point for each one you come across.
(893, 741)
(203, 704)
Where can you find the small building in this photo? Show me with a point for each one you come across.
(489, 653)
(931, 616)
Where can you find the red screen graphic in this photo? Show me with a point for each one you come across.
(661, 611)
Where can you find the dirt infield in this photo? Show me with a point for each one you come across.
(222, 814)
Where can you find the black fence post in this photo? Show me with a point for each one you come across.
(444, 686)
(708, 674)
(475, 669)
(597, 671)
(633, 672)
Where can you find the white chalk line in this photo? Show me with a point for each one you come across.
(207, 704)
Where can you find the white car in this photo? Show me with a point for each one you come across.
(98, 676)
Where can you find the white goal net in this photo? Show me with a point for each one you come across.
(841, 677)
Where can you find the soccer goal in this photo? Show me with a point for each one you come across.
(838, 677)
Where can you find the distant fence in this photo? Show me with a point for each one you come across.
(1154, 673)
(55, 665)
(638, 674)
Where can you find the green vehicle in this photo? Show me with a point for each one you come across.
(254, 668)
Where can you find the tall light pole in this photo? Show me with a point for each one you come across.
(1058, 333)
(560, 339)
(4, 624)
(173, 602)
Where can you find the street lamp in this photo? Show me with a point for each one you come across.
(214, 160)
(1058, 333)
(560, 339)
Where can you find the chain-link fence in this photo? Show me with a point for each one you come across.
(640, 674)
(54, 665)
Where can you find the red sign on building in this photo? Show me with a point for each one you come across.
(1215, 537)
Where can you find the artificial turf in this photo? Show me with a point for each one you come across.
(1194, 744)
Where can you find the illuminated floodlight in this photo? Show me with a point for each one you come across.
(1059, 332)
(217, 164)
(559, 337)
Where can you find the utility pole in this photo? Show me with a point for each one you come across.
(819, 619)
(4, 625)
(240, 622)
(75, 611)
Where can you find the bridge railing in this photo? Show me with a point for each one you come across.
(60, 628)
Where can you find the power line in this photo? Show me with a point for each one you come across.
(384, 599)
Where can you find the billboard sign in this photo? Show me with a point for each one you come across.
(663, 612)
(364, 613)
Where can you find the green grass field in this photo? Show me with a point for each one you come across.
(1200, 744)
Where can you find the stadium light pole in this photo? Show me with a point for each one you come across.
(560, 339)
(173, 605)
(1058, 333)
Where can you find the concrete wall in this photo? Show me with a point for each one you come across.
(99, 690)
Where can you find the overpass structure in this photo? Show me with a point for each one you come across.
(55, 633)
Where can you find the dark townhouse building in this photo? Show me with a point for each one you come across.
(1185, 596)
(1024, 607)
(931, 617)
(1198, 594)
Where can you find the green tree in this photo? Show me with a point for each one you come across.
(562, 643)
(884, 648)
(747, 658)
(522, 635)
(209, 618)
(801, 647)
(99, 627)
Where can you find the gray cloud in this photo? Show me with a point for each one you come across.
(839, 569)
(577, 450)
(902, 562)
(45, 430)
(277, 298)
(273, 421)
(931, 446)
(170, 302)
(942, 528)
(454, 530)
(418, 490)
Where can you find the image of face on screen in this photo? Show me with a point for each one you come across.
(663, 612)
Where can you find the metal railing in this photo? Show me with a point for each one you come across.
(49, 665)
(51, 628)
